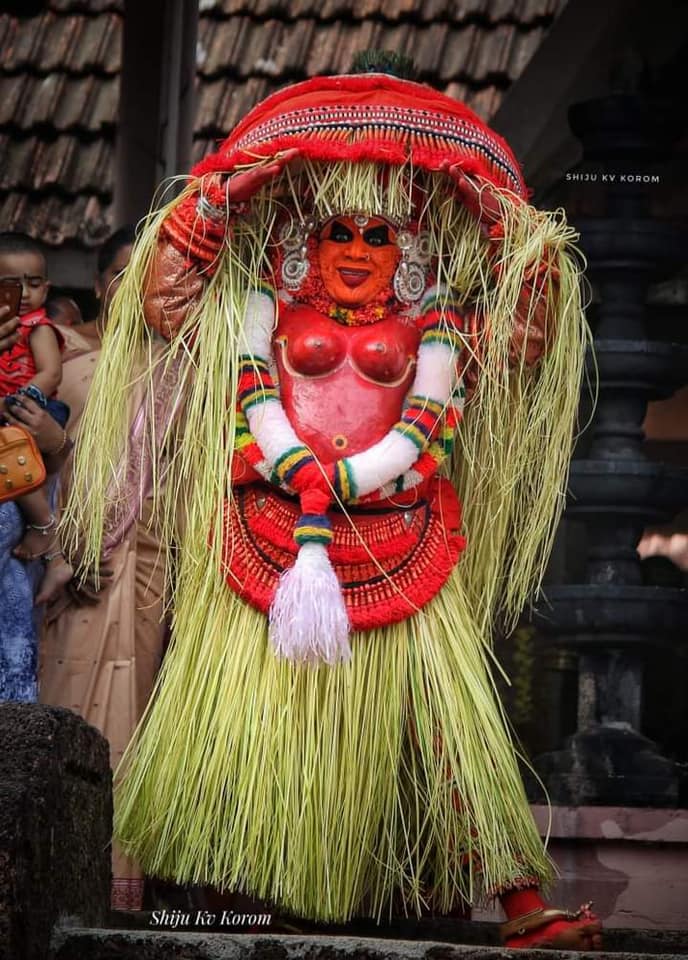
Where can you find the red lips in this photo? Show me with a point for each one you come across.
(353, 277)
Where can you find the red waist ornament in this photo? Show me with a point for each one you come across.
(342, 388)
(390, 562)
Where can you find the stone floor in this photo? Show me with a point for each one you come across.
(82, 944)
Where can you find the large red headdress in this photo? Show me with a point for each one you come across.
(369, 117)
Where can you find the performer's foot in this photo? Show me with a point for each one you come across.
(554, 929)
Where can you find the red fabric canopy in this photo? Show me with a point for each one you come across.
(369, 117)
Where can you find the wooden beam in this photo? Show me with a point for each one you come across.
(155, 126)
(572, 64)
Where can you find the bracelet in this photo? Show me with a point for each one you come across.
(47, 557)
(44, 528)
(205, 208)
(62, 445)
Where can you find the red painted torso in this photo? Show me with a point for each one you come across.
(342, 387)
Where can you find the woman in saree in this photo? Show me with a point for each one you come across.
(101, 648)
(367, 325)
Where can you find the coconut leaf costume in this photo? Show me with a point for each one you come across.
(325, 731)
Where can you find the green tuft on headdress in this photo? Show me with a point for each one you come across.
(384, 61)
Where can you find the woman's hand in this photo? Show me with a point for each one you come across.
(87, 585)
(87, 592)
(673, 546)
(8, 329)
(49, 435)
(78, 593)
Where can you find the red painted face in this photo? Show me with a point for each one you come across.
(357, 262)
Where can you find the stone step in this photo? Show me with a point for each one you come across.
(435, 929)
(85, 944)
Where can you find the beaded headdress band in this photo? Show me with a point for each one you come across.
(369, 117)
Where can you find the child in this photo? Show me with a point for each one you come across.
(33, 367)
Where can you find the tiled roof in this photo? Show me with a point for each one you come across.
(59, 89)
(59, 81)
(471, 49)
(420, 11)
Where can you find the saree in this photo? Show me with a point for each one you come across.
(101, 660)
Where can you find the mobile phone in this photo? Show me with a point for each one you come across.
(10, 296)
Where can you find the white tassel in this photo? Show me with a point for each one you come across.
(308, 618)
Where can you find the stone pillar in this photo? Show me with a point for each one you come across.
(55, 827)
(611, 620)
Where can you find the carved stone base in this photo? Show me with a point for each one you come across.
(608, 765)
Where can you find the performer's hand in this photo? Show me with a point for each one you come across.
(478, 196)
(242, 186)
(8, 329)
(531, 331)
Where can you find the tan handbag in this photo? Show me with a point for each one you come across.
(21, 464)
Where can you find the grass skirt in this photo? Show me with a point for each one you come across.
(389, 783)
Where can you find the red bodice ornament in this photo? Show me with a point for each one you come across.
(342, 387)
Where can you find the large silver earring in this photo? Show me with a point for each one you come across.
(295, 265)
(409, 282)
(295, 268)
(410, 276)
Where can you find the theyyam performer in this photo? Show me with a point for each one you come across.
(349, 324)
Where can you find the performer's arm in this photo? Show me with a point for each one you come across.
(533, 327)
(533, 323)
(534, 331)
(191, 240)
(173, 284)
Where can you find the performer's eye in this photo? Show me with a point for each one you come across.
(340, 233)
(377, 236)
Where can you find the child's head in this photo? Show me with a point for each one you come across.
(22, 259)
